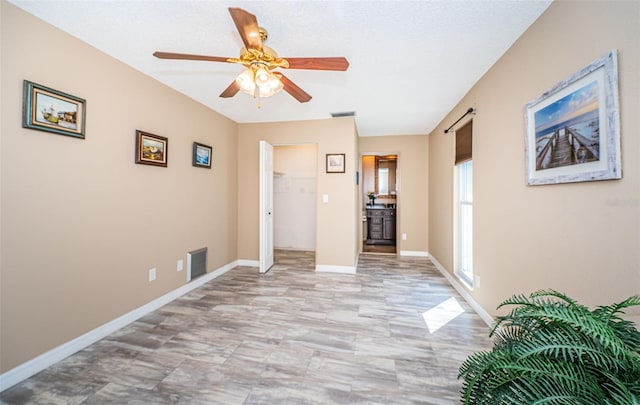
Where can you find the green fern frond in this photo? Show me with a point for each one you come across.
(607, 311)
(549, 391)
(583, 322)
(549, 349)
(516, 299)
(558, 296)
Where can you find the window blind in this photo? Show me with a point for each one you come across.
(464, 142)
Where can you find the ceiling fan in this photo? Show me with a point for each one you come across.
(259, 78)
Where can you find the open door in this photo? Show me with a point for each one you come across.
(266, 206)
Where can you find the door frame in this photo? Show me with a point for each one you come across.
(363, 202)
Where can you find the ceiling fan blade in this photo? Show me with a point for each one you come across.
(337, 63)
(230, 91)
(293, 89)
(171, 55)
(247, 26)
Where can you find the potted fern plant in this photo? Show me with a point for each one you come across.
(551, 350)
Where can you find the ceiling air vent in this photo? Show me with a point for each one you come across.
(344, 114)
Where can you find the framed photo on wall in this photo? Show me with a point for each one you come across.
(151, 149)
(335, 163)
(49, 110)
(201, 155)
(572, 131)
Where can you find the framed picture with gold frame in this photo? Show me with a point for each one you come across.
(49, 110)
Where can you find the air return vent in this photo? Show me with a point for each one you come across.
(196, 263)
(343, 114)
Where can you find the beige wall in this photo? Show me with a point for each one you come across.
(581, 238)
(81, 223)
(413, 172)
(336, 220)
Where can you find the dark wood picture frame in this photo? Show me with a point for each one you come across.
(151, 149)
(49, 110)
(335, 163)
(201, 155)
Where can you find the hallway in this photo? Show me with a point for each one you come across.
(289, 336)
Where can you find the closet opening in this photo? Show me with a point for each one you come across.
(294, 203)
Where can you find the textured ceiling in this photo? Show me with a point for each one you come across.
(411, 61)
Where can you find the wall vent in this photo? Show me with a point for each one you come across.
(343, 114)
(196, 263)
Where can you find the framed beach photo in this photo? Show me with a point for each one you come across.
(49, 110)
(151, 149)
(572, 131)
(335, 163)
(202, 155)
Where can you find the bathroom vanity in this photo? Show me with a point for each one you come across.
(381, 225)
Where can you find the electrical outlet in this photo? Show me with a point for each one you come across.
(404, 236)
(152, 274)
(180, 265)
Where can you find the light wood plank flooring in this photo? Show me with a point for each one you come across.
(291, 336)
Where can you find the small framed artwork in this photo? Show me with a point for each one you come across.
(151, 149)
(49, 110)
(335, 163)
(202, 155)
(572, 131)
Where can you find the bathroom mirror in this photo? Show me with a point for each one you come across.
(385, 175)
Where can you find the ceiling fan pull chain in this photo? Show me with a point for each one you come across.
(259, 98)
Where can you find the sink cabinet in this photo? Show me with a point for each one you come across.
(381, 226)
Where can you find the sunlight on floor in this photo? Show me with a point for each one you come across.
(442, 314)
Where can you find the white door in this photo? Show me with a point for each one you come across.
(266, 206)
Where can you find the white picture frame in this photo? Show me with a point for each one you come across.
(572, 131)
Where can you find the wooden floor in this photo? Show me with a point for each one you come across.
(290, 336)
(390, 249)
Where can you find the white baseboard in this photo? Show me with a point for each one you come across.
(37, 364)
(462, 290)
(414, 253)
(248, 263)
(335, 269)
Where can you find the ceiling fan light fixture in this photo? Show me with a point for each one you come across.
(246, 81)
(263, 77)
(259, 82)
(271, 86)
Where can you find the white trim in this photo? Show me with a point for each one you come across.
(415, 253)
(37, 364)
(188, 267)
(328, 268)
(486, 317)
(248, 263)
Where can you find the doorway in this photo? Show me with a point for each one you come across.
(379, 203)
(294, 200)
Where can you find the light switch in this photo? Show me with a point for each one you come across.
(180, 265)
(325, 198)
(152, 274)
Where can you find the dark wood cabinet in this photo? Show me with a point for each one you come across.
(381, 226)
